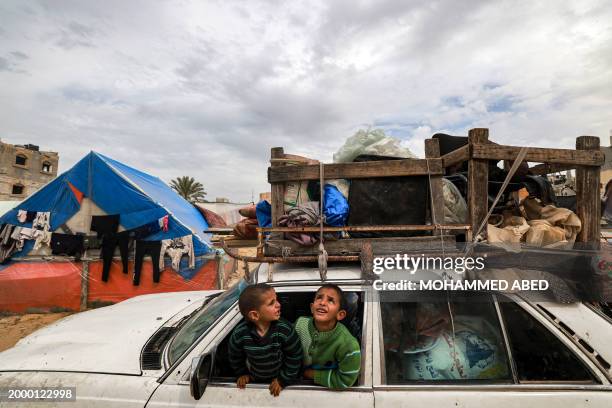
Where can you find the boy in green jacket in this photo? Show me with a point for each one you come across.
(332, 356)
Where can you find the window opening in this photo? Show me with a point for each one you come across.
(436, 340)
(294, 305)
(17, 189)
(539, 355)
(21, 160)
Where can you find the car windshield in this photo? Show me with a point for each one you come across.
(200, 322)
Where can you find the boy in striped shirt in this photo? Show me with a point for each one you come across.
(332, 356)
(264, 347)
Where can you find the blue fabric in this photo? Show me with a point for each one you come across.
(263, 211)
(117, 189)
(335, 207)
(55, 197)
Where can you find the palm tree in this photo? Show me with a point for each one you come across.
(191, 190)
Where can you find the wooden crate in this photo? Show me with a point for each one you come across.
(586, 159)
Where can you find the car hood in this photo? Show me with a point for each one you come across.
(104, 340)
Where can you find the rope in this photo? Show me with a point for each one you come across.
(322, 252)
(517, 162)
(450, 312)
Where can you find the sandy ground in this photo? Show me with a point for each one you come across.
(13, 328)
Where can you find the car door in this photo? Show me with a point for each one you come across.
(483, 353)
(222, 391)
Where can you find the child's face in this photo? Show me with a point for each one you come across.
(270, 308)
(326, 306)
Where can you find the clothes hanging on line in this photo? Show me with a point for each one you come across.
(144, 230)
(42, 221)
(25, 216)
(153, 249)
(65, 244)
(43, 237)
(109, 243)
(92, 242)
(122, 240)
(105, 224)
(20, 234)
(176, 248)
(7, 244)
(163, 223)
(21, 216)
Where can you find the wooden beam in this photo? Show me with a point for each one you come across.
(538, 154)
(386, 168)
(545, 168)
(277, 189)
(478, 177)
(456, 156)
(84, 285)
(369, 228)
(432, 151)
(353, 246)
(588, 204)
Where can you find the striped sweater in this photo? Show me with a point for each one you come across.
(334, 355)
(278, 354)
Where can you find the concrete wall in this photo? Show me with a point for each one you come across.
(31, 175)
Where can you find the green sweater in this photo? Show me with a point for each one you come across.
(335, 355)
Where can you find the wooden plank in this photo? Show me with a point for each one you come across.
(478, 176)
(588, 204)
(219, 230)
(239, 243)
(432, 151)
(368, 228)
(387, 168)
(353, 246)
(545, 168)
(537, 154)
(456, 156)
(277, 189)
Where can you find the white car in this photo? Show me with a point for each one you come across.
(460, 350)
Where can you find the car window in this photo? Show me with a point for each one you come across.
(293, 305)
(202, 320)
(538, 354)
(450, 340)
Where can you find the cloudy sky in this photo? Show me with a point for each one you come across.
(206, 88)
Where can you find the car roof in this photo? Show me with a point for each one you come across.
(305, 272)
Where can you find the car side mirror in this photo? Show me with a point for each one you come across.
(201, 371)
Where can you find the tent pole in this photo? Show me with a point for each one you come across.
(84, 285)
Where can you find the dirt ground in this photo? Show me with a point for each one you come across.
(13, 328)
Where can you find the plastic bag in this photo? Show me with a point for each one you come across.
(263, 211)
(455, 207)
(372, 142)
(335, 207)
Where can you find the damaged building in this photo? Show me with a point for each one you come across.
(24, 169)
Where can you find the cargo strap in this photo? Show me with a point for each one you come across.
(517, 162)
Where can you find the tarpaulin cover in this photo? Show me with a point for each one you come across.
(335, 207)
(264, 214)
(139, 198)
(40, 285)
(28, 286)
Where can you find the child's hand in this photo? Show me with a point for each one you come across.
(275, 387)
(309, 373)
(243, 380)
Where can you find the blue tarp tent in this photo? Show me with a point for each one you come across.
(117, 189)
